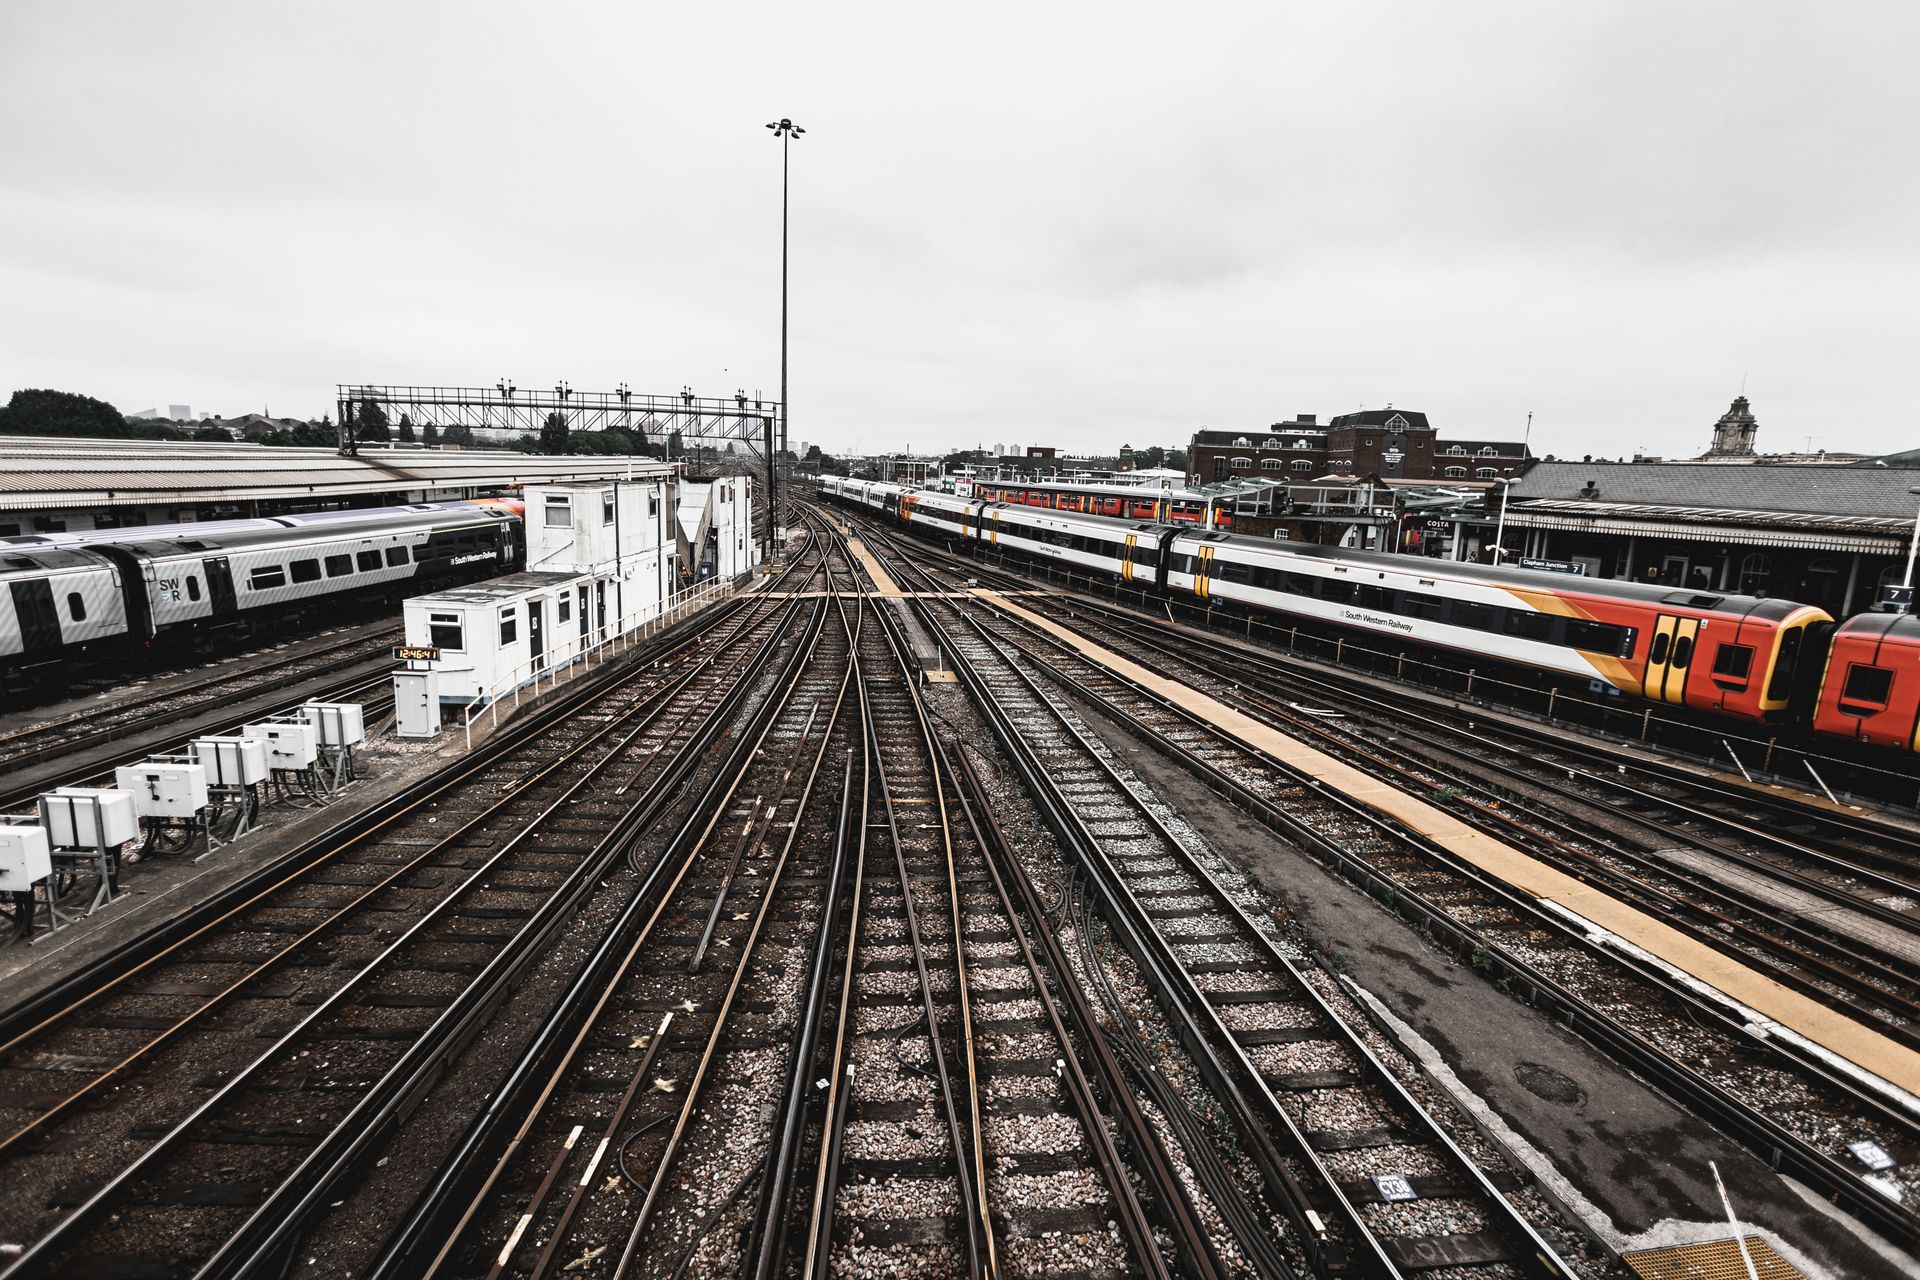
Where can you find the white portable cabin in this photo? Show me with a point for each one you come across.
(616, 533)
(495, 636)
(716, 528)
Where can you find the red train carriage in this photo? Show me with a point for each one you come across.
(1871, 690)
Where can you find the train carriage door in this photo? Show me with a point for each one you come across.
(220, 584)
(39, 624)
(1126, 561)
(1670, 657)
(1203, 572)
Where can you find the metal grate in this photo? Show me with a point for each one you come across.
(1711, 1260)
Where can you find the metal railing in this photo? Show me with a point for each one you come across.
(639, 627)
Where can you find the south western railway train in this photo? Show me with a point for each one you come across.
(1763, 661)
(104, 591)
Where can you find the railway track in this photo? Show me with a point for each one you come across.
(1829, 913)
(1333, 1134)
(1791, 1105)
(250, 1058)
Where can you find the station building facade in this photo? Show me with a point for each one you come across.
(1389, 444)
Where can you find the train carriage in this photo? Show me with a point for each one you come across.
(1870, 690)
(57, 602)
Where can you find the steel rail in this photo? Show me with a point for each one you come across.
(449, 1030)
(1784, 1149)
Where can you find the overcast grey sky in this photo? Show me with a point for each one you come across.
(1068, 224)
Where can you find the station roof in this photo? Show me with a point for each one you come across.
(52, 473)
(1824, 507)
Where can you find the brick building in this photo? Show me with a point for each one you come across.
(1392, 444)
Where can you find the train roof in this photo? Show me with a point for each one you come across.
(32, 562)
(202, 529)
(194, 542)
(1901, 627)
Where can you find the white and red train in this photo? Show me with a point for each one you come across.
(1759, 660)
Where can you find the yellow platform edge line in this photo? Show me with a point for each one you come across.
(1860, 1046)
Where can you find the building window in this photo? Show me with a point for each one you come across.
(653, 505)
(1488, 451)
(606, 507)
(76, 608)
(443, 631)
(509, 626)
(1241, 442)
(1270, 464)
(559, 513)
(1243, 464)
(1486, 473)
(1219, 467)
(566, 607)
(1456, 451)
(1456, 473)
(1396, 423)
(1301, 465)
(1301, 444)
(1755, 571)
(306, 571)
(1270, 444)
(267, 577)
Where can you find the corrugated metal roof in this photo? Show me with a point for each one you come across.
(60, 473)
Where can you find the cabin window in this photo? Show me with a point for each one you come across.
(339, 566)
(76, 607)
(1867, 685)
(306, 571)
(559, 513)
(509, 626)
(396, 556)
(1733, 661)
(444, 630)
(369, 561)
(566, 607)
(653, 504)
(606, 507)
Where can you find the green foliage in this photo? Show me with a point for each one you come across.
(318, 435)
(431, 435)
(370, 423)
(65, 413)
(458, 434)
(406, 429)
(554, 432)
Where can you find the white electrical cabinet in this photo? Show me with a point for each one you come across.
(88, 817)
(290, 744)
(24, 857)
(339, 724)
(164, 788)
(232, 762)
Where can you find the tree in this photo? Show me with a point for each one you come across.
(459, 435)
(430, 435)
(64, 413)
(213, 435)
(554, 432)
(370, 423)
(406, 429)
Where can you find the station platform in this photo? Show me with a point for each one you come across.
(1765, 1000)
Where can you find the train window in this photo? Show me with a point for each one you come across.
(1337, 591)
(339, 566)
(509, 626)
(443, 629)
(1658, 653)
(559, 513)
(396, 556)
(369, 561)
(266, 577)
(1598, 637)
(1682, 651)
(1868, 685)
(1414, 605)
(1466, 613)
(76, 607)
(193, 587)
(1233, 571)
(1375, 598)
(306, 570)
(1734, 661)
